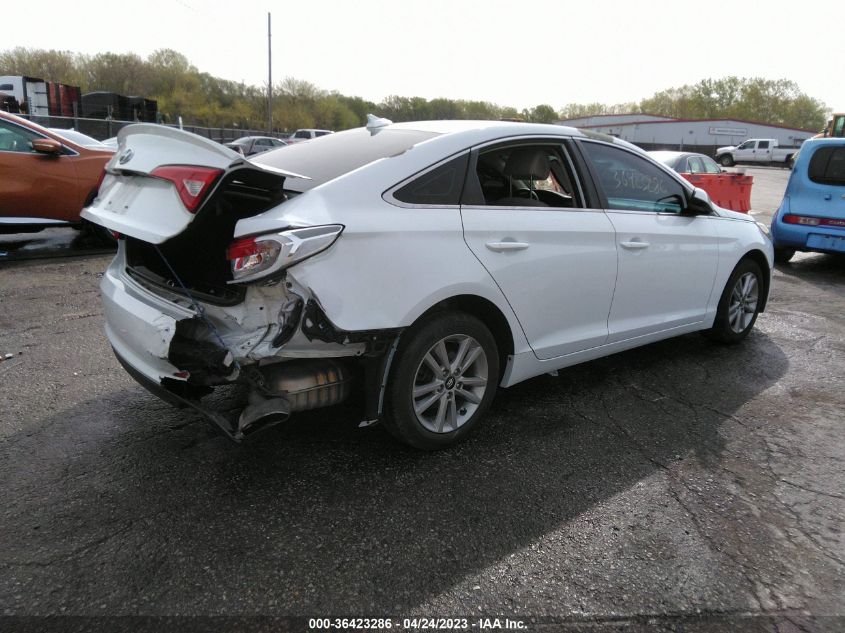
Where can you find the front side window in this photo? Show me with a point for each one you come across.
(827, 166)
(633, 183)
(14, 138)
(302, 134)
(522, 175)
(746, 145)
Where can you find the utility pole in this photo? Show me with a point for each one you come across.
(269, 79)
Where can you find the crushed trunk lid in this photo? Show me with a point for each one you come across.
(135, 202)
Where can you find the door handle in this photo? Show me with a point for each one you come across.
(634, 245)
(500, 247)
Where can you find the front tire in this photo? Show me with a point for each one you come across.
(443, 382)
(726, 160)
(739, 305)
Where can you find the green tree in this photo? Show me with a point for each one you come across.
(543, 113)
(200, 98)
(49, 65)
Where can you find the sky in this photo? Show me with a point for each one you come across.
(510, 53)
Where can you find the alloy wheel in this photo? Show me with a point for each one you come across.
(450, 383)
(743, 305)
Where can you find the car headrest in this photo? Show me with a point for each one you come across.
(528, 162)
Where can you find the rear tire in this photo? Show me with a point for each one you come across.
(739, 305)
(783, 255)
(726, 160)
(443, 382)
(97, 236)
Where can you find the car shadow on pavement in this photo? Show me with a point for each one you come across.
(53, 242)
(125, 505)
(823, 267)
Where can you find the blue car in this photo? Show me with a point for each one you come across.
(812, 215)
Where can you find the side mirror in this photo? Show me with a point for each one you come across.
(699, 203)
(46, 146)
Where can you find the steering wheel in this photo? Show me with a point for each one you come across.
(555, 198)
(526, 193)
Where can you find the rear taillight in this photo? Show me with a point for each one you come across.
(791, 218)
(248, 256)
(801, 219)
(192, 183)
(261, 255)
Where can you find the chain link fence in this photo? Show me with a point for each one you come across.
(102, 129)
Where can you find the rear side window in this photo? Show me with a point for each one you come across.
(763, 145)
(695, 165)
(522, 175)
(827, 166)
(710, 165)
(440, 186)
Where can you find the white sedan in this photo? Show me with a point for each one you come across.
(426, 264)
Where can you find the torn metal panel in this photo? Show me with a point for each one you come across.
(316, 325)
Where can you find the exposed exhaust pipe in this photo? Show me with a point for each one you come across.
(297, 385)
(261, 414)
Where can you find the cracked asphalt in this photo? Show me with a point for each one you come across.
(679, 486)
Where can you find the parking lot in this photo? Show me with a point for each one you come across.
(682, 486)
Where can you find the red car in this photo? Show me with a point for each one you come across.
(45, 179)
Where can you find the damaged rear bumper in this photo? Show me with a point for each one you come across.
(140, 327)
(274, 354)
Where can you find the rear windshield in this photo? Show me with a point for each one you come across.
(827, 166)
(330, 156)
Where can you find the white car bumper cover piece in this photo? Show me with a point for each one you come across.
(139, 332)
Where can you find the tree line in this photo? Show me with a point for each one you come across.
(202, 99)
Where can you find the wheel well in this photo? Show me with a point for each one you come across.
(760, 259)
(487, 312)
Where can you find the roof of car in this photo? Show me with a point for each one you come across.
(507, 127)
(666, 155)
(830, 140)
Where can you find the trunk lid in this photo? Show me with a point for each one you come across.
(167, 247)
(135, 202)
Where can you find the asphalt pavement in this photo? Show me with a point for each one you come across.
(680, 486)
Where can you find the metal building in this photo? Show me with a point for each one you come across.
(696, 135)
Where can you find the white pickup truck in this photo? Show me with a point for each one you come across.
(756, 150)
(304, 134)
